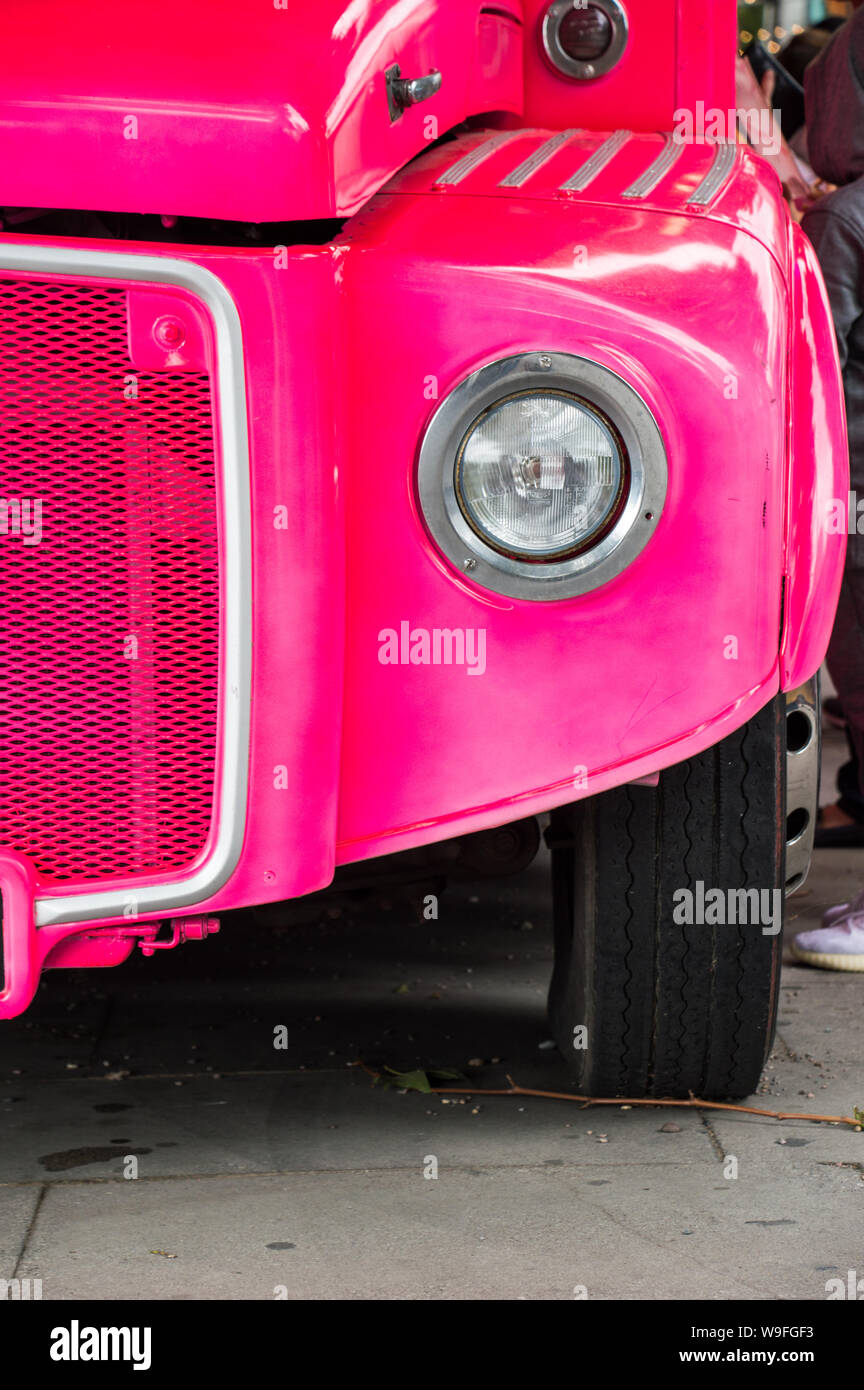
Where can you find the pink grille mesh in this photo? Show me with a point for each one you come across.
(109, 624)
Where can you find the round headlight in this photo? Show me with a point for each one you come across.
(584, 40)
(585, 34)
(542, 476)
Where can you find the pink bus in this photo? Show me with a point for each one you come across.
(411, 445)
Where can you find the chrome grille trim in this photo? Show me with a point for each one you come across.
(522, 173)
(235, 694)
(464, 166)
(656, 171)
(721, 168)
(597, 162)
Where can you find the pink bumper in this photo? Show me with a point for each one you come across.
(324, 367)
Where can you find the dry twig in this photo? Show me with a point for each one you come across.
(694, 1103)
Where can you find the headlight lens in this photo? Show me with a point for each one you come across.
(540, 475)
(585, 34)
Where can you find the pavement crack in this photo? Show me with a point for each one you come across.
(43, 1188)
(713, 1137)
(654, 1240)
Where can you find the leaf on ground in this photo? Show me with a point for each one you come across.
(417, 1080)
(406, 1080)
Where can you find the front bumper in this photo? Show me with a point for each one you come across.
(20, 948)
(133, 781)
(324, 755)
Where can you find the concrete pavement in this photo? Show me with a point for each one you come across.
(269, 1172)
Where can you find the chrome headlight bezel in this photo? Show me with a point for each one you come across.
(558, 56)
(636, 518)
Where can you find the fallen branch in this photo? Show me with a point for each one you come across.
(694, 1103)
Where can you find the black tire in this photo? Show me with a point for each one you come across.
(671, 1009)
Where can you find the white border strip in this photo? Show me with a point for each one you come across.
(236, 693)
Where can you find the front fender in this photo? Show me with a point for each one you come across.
(818, 473)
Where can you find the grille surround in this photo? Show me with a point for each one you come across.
(109, 624)
(169, 886)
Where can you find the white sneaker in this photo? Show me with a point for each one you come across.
(838, 946)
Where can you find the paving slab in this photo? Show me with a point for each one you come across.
(261, 1165)
(316, 1120)
(17, 1209)
(509, 1233)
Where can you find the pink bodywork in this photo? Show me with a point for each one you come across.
(214, 108)
(715, 315)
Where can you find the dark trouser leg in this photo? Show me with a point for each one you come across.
(846, 665)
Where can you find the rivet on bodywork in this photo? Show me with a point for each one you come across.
(169, 332)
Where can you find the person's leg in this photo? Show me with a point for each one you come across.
(845, 662)
(839, 943)
(849, 785)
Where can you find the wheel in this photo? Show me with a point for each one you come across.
(663, 987)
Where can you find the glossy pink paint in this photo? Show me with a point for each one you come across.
(678, 53)
(818, 473)
(349, 346)
(218, 109)
(23, 952)
(294, 405)
(692, 309)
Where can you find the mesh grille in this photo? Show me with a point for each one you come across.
(109, 630)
